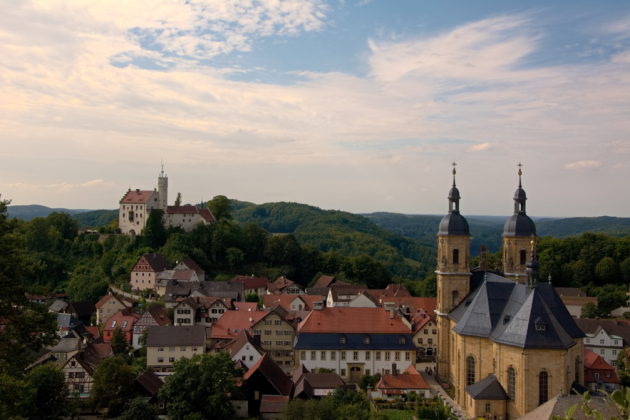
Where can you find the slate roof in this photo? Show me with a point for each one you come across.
(58, 306)
(508, 312)
(559, 404)
(168, 336)
(84, 308)
(321, 291)
(453, 224)
(569, 291)
(66, 345)
(274, 374)
(156, 261)
(378, 341)
(488, 388)
(67, 321)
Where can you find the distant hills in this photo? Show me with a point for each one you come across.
(32, 211)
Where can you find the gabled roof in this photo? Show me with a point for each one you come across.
(488, 388)
(158, 313)
(509, 312)
(404, 381)
(207, 215)
(321, 291)
(150, 382)
(128, 302)
(274, 374)
(90, 357)
(559, 404)
(156, 261)
(280, 285)
(610, 326)
(353, 320)
(168, 336)
(327, 281)
(323, 380)
(137, 196)
(124, 319)
(66, 345)
(569, 291)
(579, 301)
(420, 320)
(281, 300)
(188, 262)
(67, 321)
(298, 372)
(251, 282)
(245, 306)
(232, 322)
(83, 308)
(346, 290)
(594, 363)
(241, 339)
(58, 306)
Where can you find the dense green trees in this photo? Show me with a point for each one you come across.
(201, 385)
(139, 409)
(112, 386)
(220, 208)
(118, 342)
(49, 384)
(341, 404)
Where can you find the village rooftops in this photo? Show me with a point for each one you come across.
(245, 306)
(415, 304)
(169, 336)
(327, 281)
(232, 322)
(241, 339)
(250, 282)
(274, 374)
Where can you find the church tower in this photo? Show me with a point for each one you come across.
(163, 191)
(518, 232)
(453, 271)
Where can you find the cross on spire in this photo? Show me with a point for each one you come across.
(519, 173)
(454, 172)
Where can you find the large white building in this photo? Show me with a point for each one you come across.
(136, 206)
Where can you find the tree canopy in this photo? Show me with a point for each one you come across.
(112, 386)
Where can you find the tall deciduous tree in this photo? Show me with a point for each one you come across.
(625, 270)
(220, 208)
(119, 342)
(112, 386)
(155, 231)
(201, 384)
(16, 398)
(589, 310)
(51, 391)
(26, 326)
(607, 271)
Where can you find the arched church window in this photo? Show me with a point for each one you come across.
(455, 297)
(523, 256)
(456, 256)
(543, 387)
(512, 384)
(470, 371)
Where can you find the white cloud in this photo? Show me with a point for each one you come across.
(583, 164)
(479, 147)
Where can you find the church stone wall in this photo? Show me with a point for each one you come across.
(512, 247)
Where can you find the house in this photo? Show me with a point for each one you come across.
(413, 304)
(265, 378)
(154, 316)
(363, 300)
(40, 298)
(145, 273)
(291, 302)
(189, 264)
(201, 310)
(243, 347)
(574, 298)
(82, 310)
(605, 337)
(66, 323)
(232, 322)
(166, 344)
(315, 385)
(395, 385)
(79, 368)
(341, 295)
(147, 386)
(354, 342)
(277, 331)
(175, 290)
(598, 374)
(487, 398)
(284, 286)
(318, 291)
(424, 329)
(327, 281)
(111, 304)
(253, 284)
(124, 319)
(558, 406)
(58, 306)
(135, 208)
(65, 349)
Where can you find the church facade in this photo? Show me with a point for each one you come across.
(507, 343)
(136, 205)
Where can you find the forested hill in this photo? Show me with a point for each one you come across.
(487, 230)
(347, 233)
(28, 212)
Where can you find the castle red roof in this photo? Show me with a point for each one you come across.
(137, 197)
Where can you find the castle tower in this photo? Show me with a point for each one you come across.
(453, 271)
(163, 191)
(517, 236)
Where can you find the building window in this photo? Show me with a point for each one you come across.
(182, 349)
(160, 348)
(343, 372)
(430, 341)
(267, 322)
(343, 355)
(402, 340)
(511, 384)
(279, 332)
(616, 342)
(160, 359)
(323, 356)
(366, 339)
(193, 348)
(279, 343)
(267, 332)
(487, 407)
(397, 356)
(523, 256)
(543, 387)
(602, 351)
(368, 372)
(577, 369)
(419, 340)
(614, 352)
(588, 340)
(277, 322)
(287, 332)
(313, 355)
(171, 349)
(302, 355)
(456, 256)
(342, 339)
(455, 295)
(171, 359)
(613, 363)
(333, 355)
(608, 375)
(601, 341)
(367, 355)
(378, 355)
(408, 356)
(433, 331)
(267, 342)
(355, 355)
(470, 370)
(388, 355)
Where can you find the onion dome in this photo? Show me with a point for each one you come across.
(454, 223)
(519, 224)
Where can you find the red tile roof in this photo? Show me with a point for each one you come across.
(120, 317)
(94, 331)
(352, 320)
(274, 374)
(193, 266)
(282, 300)
(324, 281)
(420, 321)
(207, 215)
(245, 306)
(231, 322)
(404, 381)
(137, 197)
(594, 363)
(252, 282)
(279, 285)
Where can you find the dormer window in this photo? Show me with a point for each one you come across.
(113, 324)
(506, 319)
(541, 327)
(402, 340)
(342, 339)
(366, 339)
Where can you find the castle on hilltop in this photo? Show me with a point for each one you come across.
(507, 343)
(136, 206)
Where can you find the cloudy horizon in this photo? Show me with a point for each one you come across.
(360, 106)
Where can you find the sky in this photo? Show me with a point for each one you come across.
(356, 105)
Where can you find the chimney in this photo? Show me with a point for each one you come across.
(394, 374)
(257, 340)
(391, 313)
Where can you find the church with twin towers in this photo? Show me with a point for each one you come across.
(506, 341)
(136, 206)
